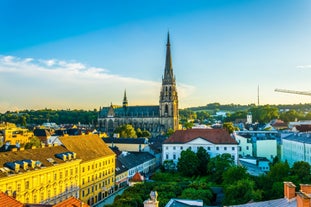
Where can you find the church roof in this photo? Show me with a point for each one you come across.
(215, 136)
(131, 111)
(87, 147)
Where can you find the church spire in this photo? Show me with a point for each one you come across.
(125, 103)
(168, 71)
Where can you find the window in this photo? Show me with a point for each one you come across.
(247, 147)
(233, 148)
(217, 148)
(181, 148)
(174, 148)
(166, 156)
(166, 147)
(174, 156)
(27, 185)
(225, 148)
(240, 148)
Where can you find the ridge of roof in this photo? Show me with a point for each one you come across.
(215, 136)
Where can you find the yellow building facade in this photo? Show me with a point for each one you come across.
(14, 134)
(97, 168)
(46, 175)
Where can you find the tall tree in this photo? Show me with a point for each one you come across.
(126, 131)
(203, 158)
(188, 163)
(217, 165)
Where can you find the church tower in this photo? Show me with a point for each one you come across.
(168, 95)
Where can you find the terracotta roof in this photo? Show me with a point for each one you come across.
(8, 201)
(137, 178)
(71, 202)
(215, 136)
(39, 154)
(87, 147)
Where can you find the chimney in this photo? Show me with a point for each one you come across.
(306, 188)
(303, 200)
(289, 190)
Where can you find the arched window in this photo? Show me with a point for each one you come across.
(166, 109)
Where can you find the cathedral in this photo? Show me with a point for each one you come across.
(156, 119)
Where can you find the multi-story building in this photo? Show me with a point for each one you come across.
(156, 119)
(15, 135)
(258, 143)
(41, 176)
(97, 166)
(214, 141)
(141, 162)
(296, 147)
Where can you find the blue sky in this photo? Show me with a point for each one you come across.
(84, 54)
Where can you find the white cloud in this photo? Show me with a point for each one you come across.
(303, 66)
(32, 83)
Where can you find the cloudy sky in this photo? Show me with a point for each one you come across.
(83, 54)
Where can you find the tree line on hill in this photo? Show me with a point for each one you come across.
(200, 114)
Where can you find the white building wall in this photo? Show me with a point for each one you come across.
(266, 148)
(294, 151)
(245, 147)
(173, 151)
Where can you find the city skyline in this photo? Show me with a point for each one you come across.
(83, 55)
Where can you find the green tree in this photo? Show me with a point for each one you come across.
(234, 174)
(240, 192)
(188, 163)
(290, 115)
(169, 132)
(264, 114)
(203, 158)
(279, 171)
(229, 127)
(217, 165)
(188, 125)
(34, 141)
(126, 131)
(195, 194)
(301, 169)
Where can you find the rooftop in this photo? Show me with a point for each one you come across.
(215, 136)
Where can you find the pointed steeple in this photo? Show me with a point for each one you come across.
(125, 103)
(168, 71)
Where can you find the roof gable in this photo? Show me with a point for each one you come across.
(199, 141)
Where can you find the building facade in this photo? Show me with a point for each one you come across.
(214, 141)
(156, 119)
(97, 168)
(296, 147)
(15, 135)
(40, 176)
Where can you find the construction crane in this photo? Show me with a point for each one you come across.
(294, 92)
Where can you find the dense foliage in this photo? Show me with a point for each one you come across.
(167, 186)
(36, 117)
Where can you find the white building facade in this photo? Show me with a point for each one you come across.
(214, 141)
(296, 147)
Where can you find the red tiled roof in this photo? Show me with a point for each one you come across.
(215, 136)
(137, 177)
(8, 201)
(71, 202)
